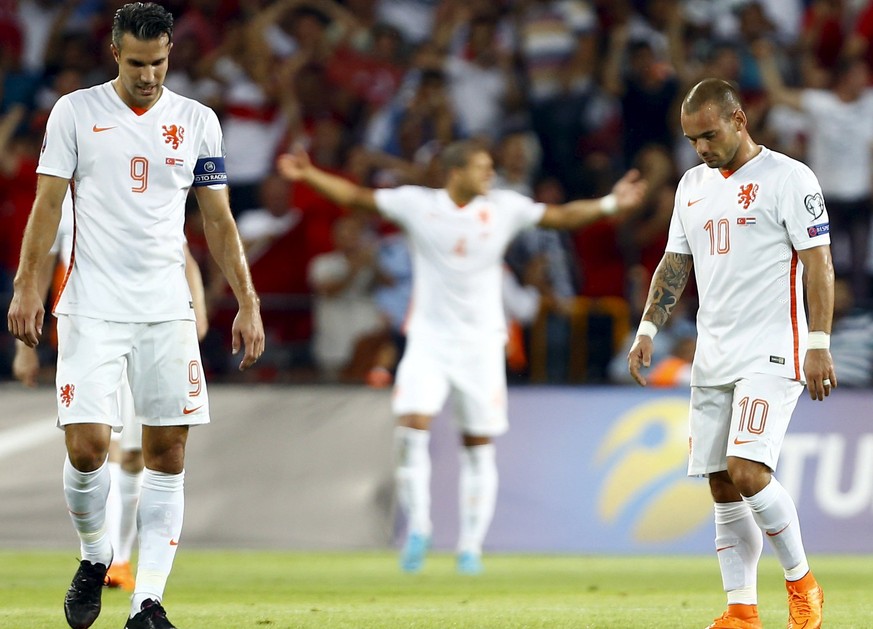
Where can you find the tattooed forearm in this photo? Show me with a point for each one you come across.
(669, 281)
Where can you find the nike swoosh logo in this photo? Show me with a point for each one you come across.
(739, 442)
(188, 411)
(796, 623)
(779, 531)
(173, 542)
(690, 203)
(97, 129)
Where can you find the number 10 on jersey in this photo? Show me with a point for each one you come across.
(719, 236)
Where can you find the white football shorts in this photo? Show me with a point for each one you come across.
(130, 437)
(163, 367)
(474, 373)
(747, 419)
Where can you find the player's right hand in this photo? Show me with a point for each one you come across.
(293, 166)
(630, 191)
(640, 356)
(25, 317)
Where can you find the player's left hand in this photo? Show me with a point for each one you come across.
(248, 332)
(818, 368)
(630, 191)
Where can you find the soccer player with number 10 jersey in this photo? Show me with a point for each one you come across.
(751, 223)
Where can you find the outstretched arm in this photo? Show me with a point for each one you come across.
(297, 167)
(227, 249)
(777, 91)
(627, 195)
(666, 288)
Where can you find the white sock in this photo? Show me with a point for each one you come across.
(478, 495)
(413, 477)
(129, 488)
(113, 507)
(86, 494)
(161, 507)
(776, 515)
(738, 544)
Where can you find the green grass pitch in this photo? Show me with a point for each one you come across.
(291, 590)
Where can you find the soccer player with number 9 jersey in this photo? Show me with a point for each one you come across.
(130, 150)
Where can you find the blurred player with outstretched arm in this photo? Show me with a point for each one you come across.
(456, 331)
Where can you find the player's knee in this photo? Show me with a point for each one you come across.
(86, 456)
(169, 460)
(722, 489)
(163, 448)
(471, 441)
(87, 446)
(416, 421)
(131, 461)
(749, 477)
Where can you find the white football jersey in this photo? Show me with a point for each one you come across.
(457, 256)
(130, 179)
(743, 232)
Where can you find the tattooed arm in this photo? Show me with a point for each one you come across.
(668, 282)
(667, 285)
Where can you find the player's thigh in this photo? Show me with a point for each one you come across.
(421, 385)
(166, 375)
(762, 409)
(709, 420)
(90, 369)
(479, 388)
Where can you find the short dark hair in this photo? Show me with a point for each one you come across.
(458, 153)
(712, 91)
(143, 20)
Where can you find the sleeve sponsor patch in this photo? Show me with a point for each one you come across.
(818, 230)
(209, 171)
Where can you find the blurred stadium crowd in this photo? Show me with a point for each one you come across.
(569, 93)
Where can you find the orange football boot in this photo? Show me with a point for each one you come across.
(738, 617)
(805, 602)
(119, 575)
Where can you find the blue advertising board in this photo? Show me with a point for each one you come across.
(603, 469)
